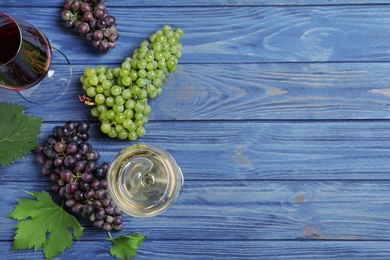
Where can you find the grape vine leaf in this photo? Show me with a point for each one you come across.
(124, 246)
(43, 223)
(18, 132)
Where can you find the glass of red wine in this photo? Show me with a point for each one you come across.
(28, 63)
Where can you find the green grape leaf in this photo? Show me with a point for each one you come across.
(18, 132)
(124, 246)
(42, 223)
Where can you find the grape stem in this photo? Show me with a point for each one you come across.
(86, 100)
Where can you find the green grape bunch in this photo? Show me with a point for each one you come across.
(119, 95)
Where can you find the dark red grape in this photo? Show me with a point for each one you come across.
(73, 167)
(67, 175)
(85, 7)
(83, 28)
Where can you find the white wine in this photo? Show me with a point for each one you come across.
(143, 180)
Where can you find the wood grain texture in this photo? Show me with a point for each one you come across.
(252, 150)
(224, 249)
(278, 117)
(275, 91)
(251, 210)
(170, 3)
(214, 34)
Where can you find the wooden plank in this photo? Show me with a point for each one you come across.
(255, 150)
(250, 210)
(224, 249)
(214, 34)
(270, 91)
(170, 3)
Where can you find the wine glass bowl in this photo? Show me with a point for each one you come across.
(29, 64)
(144, 180)
(25, 55)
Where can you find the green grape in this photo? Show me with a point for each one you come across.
(116, 71)
(95, 112)
(139, 123)
(151, 74)
(139, 107)
(150, 66)
(159, 55)
(133, 74)
(119, 117)
(142, 73)
(110, 114)
(99, 89)
(119, 100)
(141, 64)
(151, 90)
(116, 90)
(126, 81)
(124, 72)
(157, 82)
(110, 101)
(128, 113)
(123, 135)
(127, 123)
(126, 65)
(89, 72)
(133, 63)
(101, 108)
(101, 77)
(103, 116)
(139, 116)
(101, 69)
(132, 135)
(118, 108)
(142, 94)
(109, 74)
(178, 54)
(143, 44)
(162, 64)
(91, 91)
(93, 80)
(121, 93)
(100, 99)
(141, 131)
(140, 83)
(145, 119)
(147, 110)
(119, 128)
(179, 31)
(161, 38)
(172, 40)
(149, 56)
(107, 93)
(130, 104)
(126, 94)
(135, 89)
(112, 133)
(106, 84)
(105, 128)
(152, 37)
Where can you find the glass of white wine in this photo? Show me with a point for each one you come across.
(28, 63)
(144, 180)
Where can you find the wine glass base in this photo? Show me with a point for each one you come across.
(54, 85)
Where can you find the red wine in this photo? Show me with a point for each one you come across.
(9, 41)
(25, 54)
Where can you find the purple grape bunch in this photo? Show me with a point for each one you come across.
(90, 19)
(72, 164)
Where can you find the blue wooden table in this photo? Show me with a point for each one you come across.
(278, 116)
